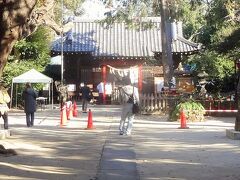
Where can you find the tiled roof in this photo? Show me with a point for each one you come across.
(117, 40)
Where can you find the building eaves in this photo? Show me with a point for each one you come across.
(118, 40)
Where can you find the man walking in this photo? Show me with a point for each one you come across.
(129, 95)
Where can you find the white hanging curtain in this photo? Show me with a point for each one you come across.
(120, 73)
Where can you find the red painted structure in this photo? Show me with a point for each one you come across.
(104, 75)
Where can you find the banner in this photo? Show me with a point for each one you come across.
(120, 73)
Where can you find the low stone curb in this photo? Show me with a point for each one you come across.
(5, 134)
(232, 134)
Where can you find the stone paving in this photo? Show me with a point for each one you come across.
(157, 149)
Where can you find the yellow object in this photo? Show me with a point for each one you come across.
(4, 99)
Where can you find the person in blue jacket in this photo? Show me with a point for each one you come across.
(29, 96)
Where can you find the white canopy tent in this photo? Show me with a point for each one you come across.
(32, 76)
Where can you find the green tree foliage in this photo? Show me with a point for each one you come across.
(10, 71)
(70, 8)
(35, 47)
(231, 43)
(214, 64)
(220, 35)
(220, 69)
(131, 11)
(192, 16)
(218, 27)
(31, 52)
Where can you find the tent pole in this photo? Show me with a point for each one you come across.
(16, 96)
(49, 97)
(52, 95)
(11, 95)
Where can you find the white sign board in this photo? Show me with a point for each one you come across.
(71, 87)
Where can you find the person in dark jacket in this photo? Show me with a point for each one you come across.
(86, 96)
(29, 96)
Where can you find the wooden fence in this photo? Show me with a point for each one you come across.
(151, 103)
(218, 104)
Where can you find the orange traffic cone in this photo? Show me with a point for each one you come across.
(70, 113)
(75, 111)
(63, 116)
(90, 121)
(183, 120)
(69, 110)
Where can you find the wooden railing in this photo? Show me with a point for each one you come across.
(151, 103)
(115, 97)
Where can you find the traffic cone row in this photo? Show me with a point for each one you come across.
(68, 111)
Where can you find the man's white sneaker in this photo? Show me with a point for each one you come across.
(128, 133)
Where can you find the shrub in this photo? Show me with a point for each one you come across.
(194, 111)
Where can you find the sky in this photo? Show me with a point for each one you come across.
(93, 9)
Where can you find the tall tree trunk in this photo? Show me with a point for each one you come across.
(166, 45)
(5, 49)
(237, 121)
(19, 19)
(14, 23)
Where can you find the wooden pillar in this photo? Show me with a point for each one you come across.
(104, 76)
(140, 78)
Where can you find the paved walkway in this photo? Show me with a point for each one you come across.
(157, 149)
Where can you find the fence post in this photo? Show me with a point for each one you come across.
(151, 102)
(155, 98)
(144, 102)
